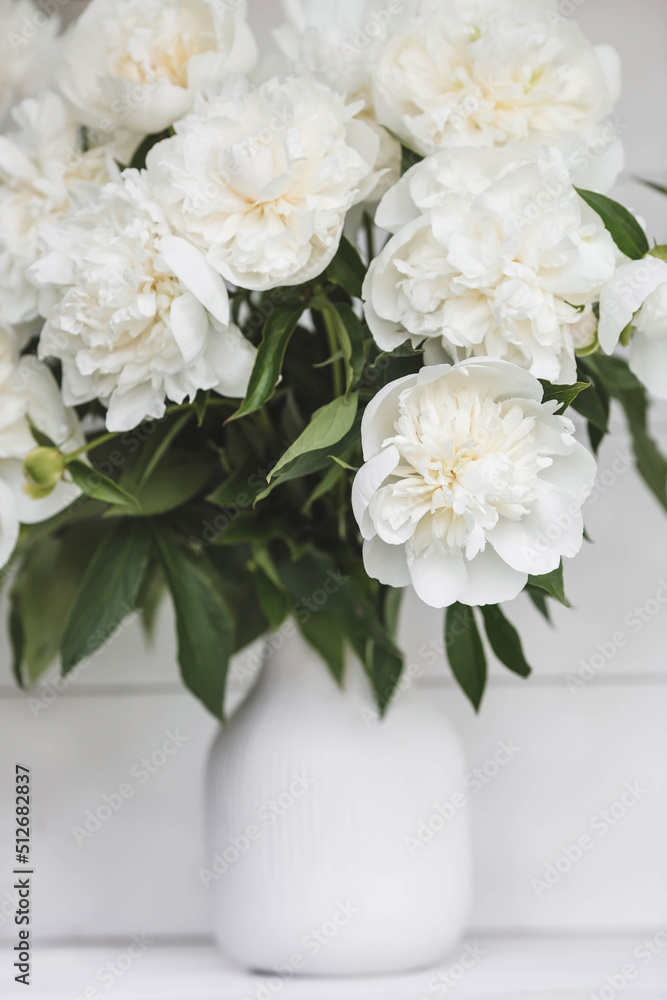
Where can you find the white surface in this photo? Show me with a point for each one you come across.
(506, 969)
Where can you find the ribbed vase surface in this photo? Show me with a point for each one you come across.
(315, 810)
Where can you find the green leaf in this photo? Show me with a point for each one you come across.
(564, 394)
(278, 330)
(381, 660)
(392, 365)
(327, 427)
(149, 598)
(325, 635)
(624, 229)
(384, 664)
(17, 640)
(539, 599)
(651, 463)
(313, 461)
(274, 602)
(465, 652)
(180, 476)
(44, 591)
(614, 374)
(594, 406)
(240, 489)
(100, 487)
(330, 479)
(253, 528)
(200, 404)
(162, 475)
(204, 624)
(239, 593)
(347, 269)
(553, 584)
(660, 188)
(107, 592)
(393, 598)
(343, 464)
(349, 334)
(317, 574)
(504, 640)
(154, 446)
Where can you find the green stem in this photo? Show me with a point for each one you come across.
(92, 445)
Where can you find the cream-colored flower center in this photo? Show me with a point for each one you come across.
(466, 461)
(147, 46)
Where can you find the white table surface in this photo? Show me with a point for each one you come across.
(512, 969)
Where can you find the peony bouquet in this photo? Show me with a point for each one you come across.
(283, 338)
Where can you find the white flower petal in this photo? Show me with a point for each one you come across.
(491, 580)
(493, 253)
(128, 407)
(648, 361)
(574, 472)
(190, 325)
(612, 68)
(9, 523)
(379, 416)
(439, 577)
(194, 271)
(484, 486)
(145, 305)
(260, 179)
(536, 544)
(624, 294)
(30, 511)
(141, 63)
(232, 357)
(566, 86)
(386, 563)
(367, 481)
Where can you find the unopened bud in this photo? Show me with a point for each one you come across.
(585, 335)
(43, 469)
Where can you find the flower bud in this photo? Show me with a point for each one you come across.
(585, 335)
(43, 468)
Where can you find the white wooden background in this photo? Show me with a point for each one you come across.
(578, 750)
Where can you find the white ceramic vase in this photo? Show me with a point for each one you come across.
(314, 807)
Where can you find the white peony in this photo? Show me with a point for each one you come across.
(139, 63)
(337, 43)
(261, 179)
(42, 168)
(29, 394)
(637, 294)
(488, 72)
(471, 483)
(136, 316)
(29, 52)
(495, 254)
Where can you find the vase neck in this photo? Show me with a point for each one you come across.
(293, 662)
